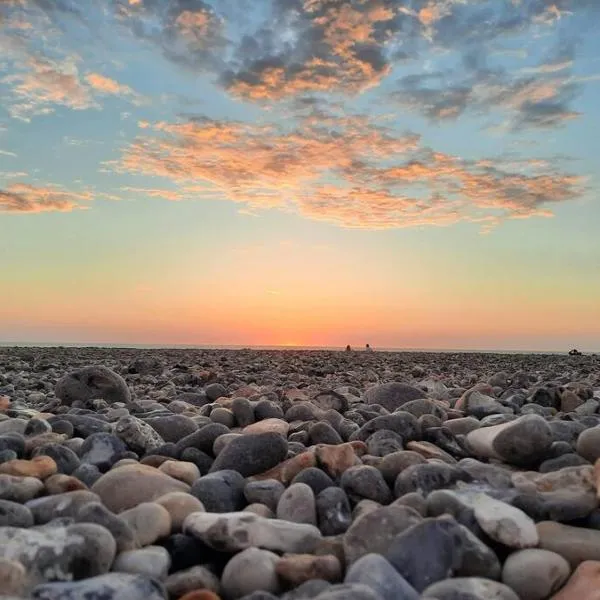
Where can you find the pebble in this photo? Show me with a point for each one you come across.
(297, 504)
(123, 534)
(13, 514)
(334, 515)
(249, 571)
(365, 482)
(220, 492)
(295, 569)
(583, 584)
(392, 395)
(92, 382)
(152, 561)
(535, 574)
(149, 522)
(184, 471)
(575, 544)
(266, 492)
(187, 580)
(13, 577)
(473, 588)
(179, 505)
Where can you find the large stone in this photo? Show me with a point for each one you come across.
(524, 441)
(90, 383)
(102, 449)
(249, 571)
(297, 504)
(392, 395)
(535, 574)
(231, 532)
(252, 454)
(59, 553)
(112, 586)
(575, 544)
(127, 486)
(584, 584)
(471, 588)
(152, 561)
(138, 435)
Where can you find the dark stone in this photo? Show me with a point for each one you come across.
(13, 514)
(365, 482)
(214, 391)
(242, 411)
(66, 460)
(561, 462)
(315, 478)
(384, 442)
(267, 492)
(96, 512)
(87, 474)
(265, 409)
(324, 433)
(404, 424)
(64, 427)
(37, 426)
(90, 383)
(392, 395)
(428, 477)
(202, 460)
(102, 450)
(252, 454)
(6, 455)
(334, 514)
(84, 426)
(172, 428)
(330, 399)
(186, 551)
(14, 442)
(203, 439)
(220, 492)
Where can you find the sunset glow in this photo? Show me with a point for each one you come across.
(300, 173)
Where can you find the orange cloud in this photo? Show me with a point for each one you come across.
(106, 85)
(346, 170)
(25, 198)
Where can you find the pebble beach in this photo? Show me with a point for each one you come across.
(131, 474)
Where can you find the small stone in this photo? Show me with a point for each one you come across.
(272, 425)
(297, 504)
(393, 464)
(238, 530)
(266, 492)
(153, 561)
(214, 391)
(249, 571)
(39, 467)
(67, 504)
(66, 460)
(102, 449)
(428, 477)
(535, 574)
(333, 511)
(295, 569)
(262, 510)
(384, 442)
(374, 532)
(179, 505)
(392, 395)
(220, 492)
(87, 474)
(315, 478)
(97, 513)
(14, 514)
(473, 588)
(374, 571)
(428, 450)
(59, 484)
(588, 444)
(138, 435)
(583, 584)
(172, 428)
(183, 471)
(112, 586)
(127, 486)
(504, 523)
(287, 470)
(323, 433)
(13, 578)
(92, 382)
(365, 482)
(188, 580)
(223, 416)
(575, 544)
(149, 522)
(336, 459)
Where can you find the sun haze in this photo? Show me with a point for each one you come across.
(415, 173)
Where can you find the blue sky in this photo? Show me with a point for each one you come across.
(427, 168)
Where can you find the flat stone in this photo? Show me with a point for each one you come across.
(336, 459)
(575, 544)
(127, 486)
(112, 586)
(535, 574)
(473, 588)
(152, 561)
(59, 484)
(288, 469)
(236, 531)
(428, 477)
(266, 492)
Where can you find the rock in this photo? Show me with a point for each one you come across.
(334, 515)
(188, 580)
(584, 583)
(127, 486)
(97, 513)
(348, 591)
(272, 425)
(172, 428)
(267, 492)
(384, 442)
(522, 442)
(59, 484)
(102, 449)
(90, 383)
(297, 504)
(473, 588)
(377, 573)
(223, 416)
(220, 492)
(67, 504)
(535, 574)
(402, 423)
(187, 472)
(288, 469)
(392, 395)
(59, 553)
(149, 522)
(323, 433)
(152, 561)
(214, 391)
(249, 571)
(39, 467)
(237, 531)
(66, 460)
(138, 435)
(575, 544)
(252, 454)
(504, 523)
(295, 569)
(462, 426)
(588, 444)
(112, 586)
(87, 474)
(203, 439)
(179, 505)
(428, 477)
(14, 514)
(13, 578)
(374, 532)
(393, 464)
(336, 459)
(429, 450)
(474, 403)
(365, 482)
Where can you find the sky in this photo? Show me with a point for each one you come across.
(404, 173)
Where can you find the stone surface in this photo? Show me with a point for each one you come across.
(574, 544)
(152, 561)
(584, 583)
(297, 504)
(149, 522)
(249, 571)
(92, 382)
(473, 588)
(392, 395)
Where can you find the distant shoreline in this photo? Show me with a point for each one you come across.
(125, 346)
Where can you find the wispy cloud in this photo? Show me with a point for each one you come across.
(105, 85)
(26, 198)
(7, 153)
(345, 170)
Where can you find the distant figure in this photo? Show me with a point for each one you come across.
(348, 348)
(368, 348)
(574, 352)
